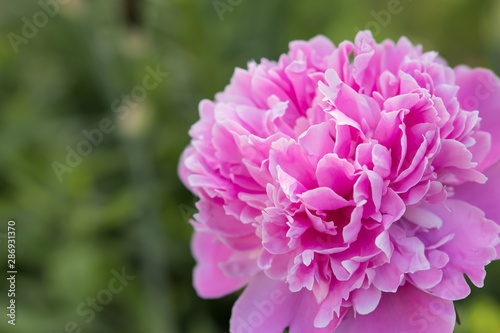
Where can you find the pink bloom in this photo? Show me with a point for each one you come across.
(346, 194)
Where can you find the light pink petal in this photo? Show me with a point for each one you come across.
(214, 216)
(409, 310)
(318, 140)
(471, 248)
(453, 153)
(323, 198)
(268, 306)
(426, 280)
(485, 196)
(480, 90)
(183, 170)
(422, 217)
(264, 306)
(365, 301)
(208, 279)
(388, 277)
(304, 318)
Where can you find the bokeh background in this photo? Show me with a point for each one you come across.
(122, 206)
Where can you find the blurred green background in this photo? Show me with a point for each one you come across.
(122, 206)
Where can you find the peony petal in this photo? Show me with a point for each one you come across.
(409, 310)
(485, 196)
(318, 140)
(323, 198)
(268, 306)
(422, 217)
(388, 277)
(480, 90)
(471, 248)
(336, 173)
(208, 279)
(215, 217)
(289, 156)
(365, 301)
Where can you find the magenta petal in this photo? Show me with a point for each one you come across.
(208, 279)
(422, 217)
(408, 310)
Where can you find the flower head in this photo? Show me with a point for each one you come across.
(354, 191)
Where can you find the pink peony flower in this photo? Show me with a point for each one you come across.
(346, 194)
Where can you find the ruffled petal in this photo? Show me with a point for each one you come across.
(480, 90)
(208, 279)
(268, 306)
(409, 310)
(470, 245)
